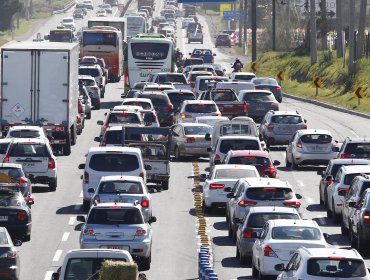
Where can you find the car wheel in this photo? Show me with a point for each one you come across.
(321, 200)
(287, 163)
(165, 185)
(101, 95)
(243, 259)
(360, 244)
(86, 205)
(234, 234)
(325, 199)
(237, 252)
(352, 239)
(254, 271)
(145, 264)
(189, 41)
(88, 116)
(206, 209)
(343, 229)
(177, 154)
(230, 230)
(53, 185)
(335, 216)
(329, 213)
(294, 164)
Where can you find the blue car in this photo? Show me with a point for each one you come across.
(206, 54)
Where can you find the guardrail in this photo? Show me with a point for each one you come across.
(205, 269)
(66, 7)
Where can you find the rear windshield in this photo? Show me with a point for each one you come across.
(258, 96)
(3, 148)
(177, 98)
(224, 37)
(235, 173)
(28, 150)
(349, 177)
(269, 193)
(316, 139)
(244, 77)
(89, 82)
(201, 108)
(268, 81)
(114, 137)
(114, 162)
(168, 78)
(145, 105)
(123, 117)
(235, 144)
(286, 119)
(224, 96)
(336, 268)
(250, 160)
(197, 130)
(358, 149)
(89, 71)
(257, 220)
(237, 87)
(120, 186)
(24, 134)
(11, 199)
(12, 173)
(296, 233)
(158, 99)
(116, 216)
(203, 83)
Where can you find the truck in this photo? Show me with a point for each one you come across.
(39, 85)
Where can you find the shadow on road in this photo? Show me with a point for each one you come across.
(68, 210)
(40, 189)
(315, 208)
(220, 226)
(223, 241)
(231, 262)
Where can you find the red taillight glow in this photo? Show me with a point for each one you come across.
(304, 126)
(190, 139)
(140, 232)
(22, 216)
(345, 155)
(343, 189)
(12, 254)
(145, 202)
(248, 233)
(270, 127)
(294, 204)
(186, 116)
(366, 217)
(216, 186)
(268, 252)
(23, 181)
(6, 159)
(245, 107)
(277, 88)
(168, 107)
(51, 163)
(94, 87)
(58, 128)
(299, 143)
(336, 258)
(86, 177)
(271, 170)
(141, 175)
(244, 203)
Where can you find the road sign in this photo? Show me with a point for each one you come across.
(280, 76)
(225, 7)
(359, 92)
(317, 82)
(254, 66)
(229, 15)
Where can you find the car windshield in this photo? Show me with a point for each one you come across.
(143, 104)
(120, 186)
(224, 96)
(238, 144)
(89, 82)
(201, 108)
(193, 76)
(24, 134)
(67, 20)
(123, 117)
(114, 216)
(257, 220)
(10, 199)
(295, 233)
(316, 139)
(235, 173)
(114, 162)
(235, 128)
(336, 267)
(269, 193)
(197, 130)
(286, 119)
(114, 137)
(360, 149)
(265, 81)
(250, 160)
(171, 78)
(28, 150)
(258, 96)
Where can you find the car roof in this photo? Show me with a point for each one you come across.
(314, 131)
(358, 139)
(243, 73)
(90, 66)
(267, 182)
(120, 127)
(355, 168)
(169, 73)
(29, 140)
(234, 166)
(194, 124)
(246, 137)
(178, 91)
(120, 177)
(221, 118)
(349, 160)
(257, 153)
(200, 72)
(6, 140)
(29, 127)
(98, 150)
(138, 99)
(272, 209)
(293, 222)
(86, 77)
(11, 165)
(331, 251)
(198, 102)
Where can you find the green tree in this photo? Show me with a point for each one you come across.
(7, 9)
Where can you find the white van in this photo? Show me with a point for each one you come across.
(236, 86)
(108, 161)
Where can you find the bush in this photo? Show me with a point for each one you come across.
(117, 270)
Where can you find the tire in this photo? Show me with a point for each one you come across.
(329, 213)
(189, 41)
(230, 230)
(335, 217)
(287, 163)
(88, 116)
(53, 185)
(321, 200)
(237, 255)
(206, 209)
(67, 147)
(361, 246)
(73, 135)
(243, 259)
(254, 271)
(165, 185)
(97, 107)
(352, 239)
(295, 166)
(145, 264)
(343, 229)
(325, 199)
(101, 95)
(79, 130)
(27, 238)
(86, 205)
(261, 276)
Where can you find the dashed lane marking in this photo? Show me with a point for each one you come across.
(72, 221)
(48, 275)
(65, 236)
(57, 255)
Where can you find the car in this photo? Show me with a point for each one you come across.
(10, 264)
(92, 88)
(259, 102)
(89, 4)
(167, 77)
(86, 101)
(323, 263)
(249, 192)
(358, 147)
(4, 144)
(236, 86)
(78, 13)
(178, 96)
(191, 109)
(279, 239)
(260, 159)
(310, 147)
(82, 7)
(27, 131)
(101, 13)
(145, 103)
(191, 76)
(254, 222)
(37, 159)
(123, 189)
(202, 83)
(188, 139)
(192, 61)
(221, 177)
(113, 136)
(69, 23)
(104, 161)
(242, 76)
(92, 60)
(97, 73)
(186, 21)
(330, 172)
(269, 84)
(123, 226)
(337, 190)
(206, 54)
(83, 263)
(210, 120)
(223, 40)
(193, 27)
(107, 8)
(278, 127)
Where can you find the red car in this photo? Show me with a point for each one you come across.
(260, 159)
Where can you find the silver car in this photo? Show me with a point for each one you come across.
(118, 226)
(191, 109)
(92, 88)
(188, 139)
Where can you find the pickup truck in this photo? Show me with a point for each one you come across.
(227, 102)
(205, 54)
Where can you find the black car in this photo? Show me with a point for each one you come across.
(223, 40)
(269, 84)
(78, 13)
(9, 257)
(177, 96)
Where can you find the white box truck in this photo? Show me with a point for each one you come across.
(39, 86)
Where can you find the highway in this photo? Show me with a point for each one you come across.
(174, 251)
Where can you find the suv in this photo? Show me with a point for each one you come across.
(177, 96)
(123, 227)
(92, 60)
(355, 148)
(104, 161)
(278, 127)
(69, 23)
(223, 40)
(92, 88)
(113, 137)
(191, 109)
(145, 103)
(37, 159)
(97, 73)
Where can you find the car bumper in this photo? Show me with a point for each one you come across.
(19, 230)
(211, 199)
(277, 139)
(195, 151)
(313, 159)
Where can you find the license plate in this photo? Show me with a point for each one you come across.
(28, 164)
(115, 247)
(3, 218)
(260, 108)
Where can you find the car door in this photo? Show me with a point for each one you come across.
(258, 244)
(289, 148)
(175, 136)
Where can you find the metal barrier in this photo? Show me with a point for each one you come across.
(66, 7)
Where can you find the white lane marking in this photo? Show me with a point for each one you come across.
(81, 194)
(57, 255)
(283, 155)
(183, 42)
(48, 275)
(77, 207)
(300, 183)
(321, 219)
(354, 133)
(310, 200)
(65, 236)
(72, 220)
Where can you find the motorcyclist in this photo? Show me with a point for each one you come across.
(238, 65)
(178, 55)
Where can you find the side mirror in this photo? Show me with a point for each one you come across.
(320, 172)
(329, 178)
(99, 122)
(91, 190)
(255, 234)
(55, 276)
(298, 196)
(352, 204)
(227, 189)
(276, 163)
(17, 242)
(152, 219)
(147, 167)
(107, 113)
(279, 267)
(30, 201)
(305, 121)
(230, 195)
(81, 166)
(209, 150)
(97, 139)
(202, 177)
(207, 137)
(81, 218)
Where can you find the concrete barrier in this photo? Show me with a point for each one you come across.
(66, 8)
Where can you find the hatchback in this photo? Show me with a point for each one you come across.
(113, 137)
(191, 109)
(97, 73)
(269, 84)
(223, 40)
(355, 148)
(242, 76)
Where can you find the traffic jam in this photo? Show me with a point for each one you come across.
(179, 117)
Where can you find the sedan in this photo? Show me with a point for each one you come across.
(9, 257)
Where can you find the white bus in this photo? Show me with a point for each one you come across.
(147, 54)
(136, 24)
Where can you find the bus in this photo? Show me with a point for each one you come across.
(146, 54)
(135, 25)
(117, 22)
(104, 42)
(60, 35)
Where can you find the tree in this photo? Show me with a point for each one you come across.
(361, 29)
(7, 9)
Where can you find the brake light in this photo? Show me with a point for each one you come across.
(249, 157)
(23, 182)
(104, 126)
(299, 143)
(304, 126)
(145, 202)
(126, 77)
(268, 252)
(51, 163)
(115, 207)
(141, 175)
(245, 107)
(366, 217)
(186, 116)
(270, 127)
(89, 231)
(336, 258)
(342, 189)
(86, 177)
(271, 170)
(216, 186)
(294, 204)
(244, 203)
(190, 139)
(168, 107)
(101, 80)
(345, 155)
(22, 216)
(275, 106)
(140, 232)
(97, 199)
(248, 233)
(6, 159)
(216, 157)
(277, 88)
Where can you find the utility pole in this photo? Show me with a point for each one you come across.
(313, 35)
(245, 34)
(274, 25)
(361, 29)
(241, 19)
(324, 24)
(339, 28)
(351, 62)
(254, 30)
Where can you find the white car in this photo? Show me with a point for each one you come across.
(26, 131)
(221, 177)
(101, 13)
(278, 241)
(145, 103)
(242, 76)
(88, 4)
(210, 120)
(191, 109)
(186, 21)
(324, 263)
(69, 23)
(105, 161)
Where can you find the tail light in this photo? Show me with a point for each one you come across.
(304, 126)
(294, 204)
(270, 127)
(58, 128)
(277, 88)
(97, 199)
(6, 159)
(145, 202)
(101, 80)
(186, 116)
(244, 203)
(268, 252)
(23, 182)
(216, 157)
(140, 232)
(190, 139)
(216, 186)
(51, 163)
(275, 106)
(168, 107)
(89, 231)
(245, 107)
(272, 171)
(248, 233)
(366, 217)
(94, 87)
(141, 175)
(86, 177)
(299, 143)
(341, 156)
(22, 216)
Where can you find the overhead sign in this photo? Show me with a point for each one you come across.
(280, 76)
(317, 82)
(254, 66)
(225, 7)
(331, 7)
(359, 92)
(204, 1)
(229, 15)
